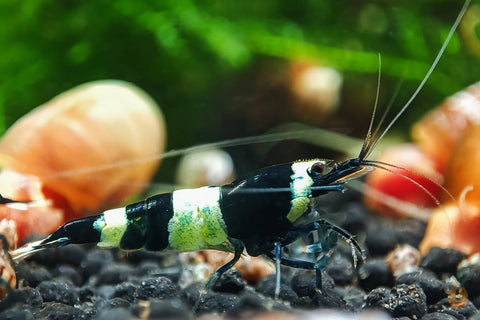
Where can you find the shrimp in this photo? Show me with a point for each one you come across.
(261, 213)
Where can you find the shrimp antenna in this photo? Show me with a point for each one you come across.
(4, 200)
(382, 120)
(370, 144)
(367, 145)
(390, 168)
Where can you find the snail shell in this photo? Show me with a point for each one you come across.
(438, 132)
(95, 145)
(456, 223)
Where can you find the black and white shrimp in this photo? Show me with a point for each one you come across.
(261, 213)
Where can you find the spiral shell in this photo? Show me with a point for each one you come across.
(439, 131)
(456, 223)
(91, 148)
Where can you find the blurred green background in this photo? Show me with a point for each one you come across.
(208, 64)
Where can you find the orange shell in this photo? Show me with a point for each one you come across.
(86, 143)
(453, 226)
(438, 132)
(463, 169)
(456, 225)
(19, 220)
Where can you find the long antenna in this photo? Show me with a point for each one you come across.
(368, 138)
(435, 62)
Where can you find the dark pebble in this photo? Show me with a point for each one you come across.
(118, 303)
(303, 283)
(191, 293)
(125, 290)
(212, 301)
(60, 311)
(433, 288)
(217, 302)
(100, 303)
(173, 308)
(450, 312)
(438, 316)
(250, 302)
(377, 296)
(410, 231)
(158, 288)
(94, 260)
(444, 306)
(32, 276)
(476, 316)
(29, 297)
(337, 202)
(441, 260)
(86, 293)
(230, 282)
(341, 270)
(303, 303)
(105, 291)
(115, 273)
(469, 277)
(165, 258)
(375, 273)
(266, 286)
(90, 309)
(402, 300)
(149, 268)
(475, 301)
(71, 255)
(114, 314)
(13, 314)
(354, 217)
(353, 296)
(58, 292)
(47, 258)
(383, 235)
(68, 273)
(329, 298)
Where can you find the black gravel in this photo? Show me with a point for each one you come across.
(433, 288)
(400, 301)
(375, 273)
(442, 260)
(469, 277)
(84, 282)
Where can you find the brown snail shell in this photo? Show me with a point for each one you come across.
(94, 146)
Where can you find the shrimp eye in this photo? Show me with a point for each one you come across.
(317, 168)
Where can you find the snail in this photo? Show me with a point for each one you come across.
(456, 223)
(88, 149)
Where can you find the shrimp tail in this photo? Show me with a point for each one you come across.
(77, 231)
